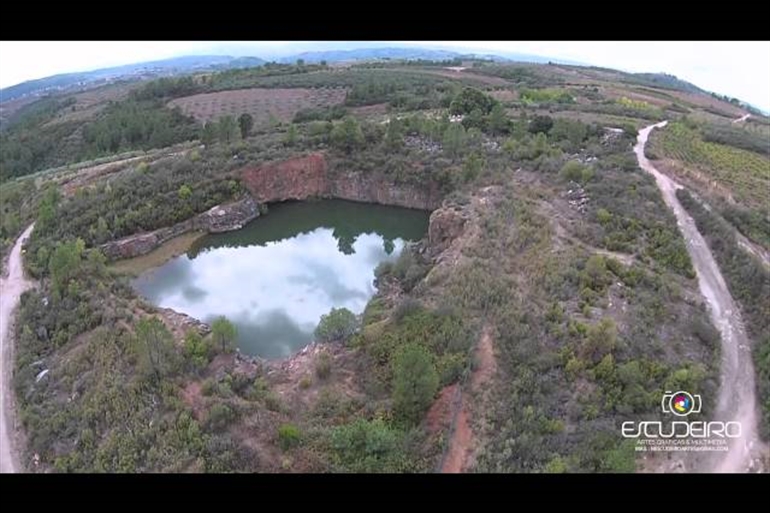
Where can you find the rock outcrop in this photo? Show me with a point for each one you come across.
(221, 218)
(446, 224)
(180, 323)
(306, 177)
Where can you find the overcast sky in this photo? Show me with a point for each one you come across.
(737, 68)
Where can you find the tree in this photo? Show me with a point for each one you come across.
(573, 171)
(227, 129)
(415, 382)
(291, 135)
(102, 230)
(209, 133)
(595, 273)
(224, 333)
(184, 192)
(600, 340)
(347, 135)
(475, 119)
(470, 99)
(367, 446)
(338, 324)
(571, 130)
(394, 137)
(46, 216)
(472, 167)
(65, 264)
(498, 121)
(195, 349)
(155, 345)
(454, 140)
(541, 124)
(246, 123)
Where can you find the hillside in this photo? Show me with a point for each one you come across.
(85, 79)
(552, 298)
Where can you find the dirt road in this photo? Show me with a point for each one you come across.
(737, 393)
(11, 288)
(742, 118)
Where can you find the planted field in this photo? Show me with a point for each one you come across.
(714, 105)
(618, 94)
(89, 103)
(745, 174)
(281, 104)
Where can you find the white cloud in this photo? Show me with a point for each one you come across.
(294, 280)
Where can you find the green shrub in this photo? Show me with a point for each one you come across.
(407, 307)
(338, 324)
(219, 417)
(323, 366)
(574, 171)
(415, 382)
(368, 446)
(289, 436)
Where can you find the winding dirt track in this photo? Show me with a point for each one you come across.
(463, 442)
(737, 392)
(11, 288)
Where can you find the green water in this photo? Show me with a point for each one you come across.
(276, 277)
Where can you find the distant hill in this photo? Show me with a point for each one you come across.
(667, 81)
(382, 53)
(176, 65)
(71, 82)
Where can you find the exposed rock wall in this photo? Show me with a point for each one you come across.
(297, 178)
(305, 177)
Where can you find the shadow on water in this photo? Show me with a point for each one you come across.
(347, 219)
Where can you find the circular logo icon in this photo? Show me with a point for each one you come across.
(682, 404)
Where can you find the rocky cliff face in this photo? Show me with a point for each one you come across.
(221, 218)
(298, 178)
(357, 187)
(305, 177)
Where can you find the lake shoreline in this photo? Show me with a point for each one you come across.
(278, 275)
(168, 250)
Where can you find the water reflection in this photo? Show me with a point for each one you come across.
(276, 277)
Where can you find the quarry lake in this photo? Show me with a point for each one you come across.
(276, 277)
